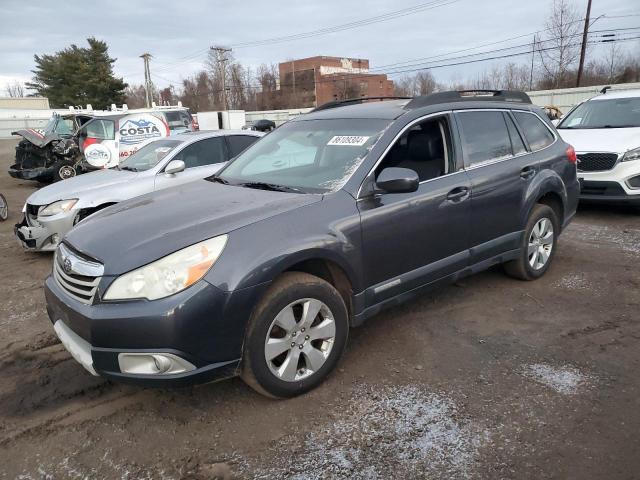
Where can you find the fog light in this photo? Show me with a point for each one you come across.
(634, 182)
(153, 364)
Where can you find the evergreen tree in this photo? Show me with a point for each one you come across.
(78, 76)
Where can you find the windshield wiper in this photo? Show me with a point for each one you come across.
(130, 169)
(270, 186)
(216, 178)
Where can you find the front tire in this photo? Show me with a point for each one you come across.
(538, 245)
(296, 336)
(63, 170)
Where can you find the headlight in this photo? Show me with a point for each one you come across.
(170, 274)
(57, 207)
(631, 155)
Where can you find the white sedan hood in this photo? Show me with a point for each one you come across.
(82, 186)
(617, 140)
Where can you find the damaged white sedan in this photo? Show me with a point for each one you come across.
(52, 211)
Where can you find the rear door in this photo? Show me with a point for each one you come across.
(201, 159)
(500, 170)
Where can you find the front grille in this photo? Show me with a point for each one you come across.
(78, 277)
(596, 162)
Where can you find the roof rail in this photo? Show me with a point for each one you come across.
(349, 101)
(466, 95)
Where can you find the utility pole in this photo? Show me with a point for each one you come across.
(583, 50)
(221, 59)
(148, 86)
(533, 54)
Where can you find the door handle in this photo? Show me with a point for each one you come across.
(458, 194)
(527, 172)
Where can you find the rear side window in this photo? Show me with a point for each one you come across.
(237, 143)
(484, 136)
(202, 153)
(516, 139)
(535, 131)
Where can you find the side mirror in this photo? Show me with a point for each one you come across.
(174, 166)
(397, 180)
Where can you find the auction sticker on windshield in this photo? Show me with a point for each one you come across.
(353, 140)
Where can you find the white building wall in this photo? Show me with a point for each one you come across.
(566, 98)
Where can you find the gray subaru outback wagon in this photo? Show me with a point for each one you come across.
(261, 270)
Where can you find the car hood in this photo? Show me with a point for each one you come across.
(82, 186)
(617, 140)
(38, 138)
(138, 231)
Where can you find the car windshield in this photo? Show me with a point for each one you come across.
(612, 113)
(311, 156)
(149, 155)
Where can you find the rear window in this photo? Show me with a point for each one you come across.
(180, 120)
(484, 136)
(535, 131)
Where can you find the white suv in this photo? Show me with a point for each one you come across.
(605, 132)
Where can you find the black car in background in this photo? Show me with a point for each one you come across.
(262, 269)
(262, 125)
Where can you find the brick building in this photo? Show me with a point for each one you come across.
(312, 81)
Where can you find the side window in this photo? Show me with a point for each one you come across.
(424, 148)
(101, 129)
(237, 143)
(516, 140)
(202, 153)
(536, 132)
(484, 136)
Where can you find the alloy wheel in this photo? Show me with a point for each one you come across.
(540, 243)
(66, 171)
(300, 339)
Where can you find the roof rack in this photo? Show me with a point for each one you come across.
(466, 95)
(349, 101)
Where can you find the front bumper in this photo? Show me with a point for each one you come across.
(203, 325)
(41, 174)
(46, 236)
(611, 186)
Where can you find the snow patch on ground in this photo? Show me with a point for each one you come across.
(388, 432)
(627, 240)
(566, 380)
(574, 281)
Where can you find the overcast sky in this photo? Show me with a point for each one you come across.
(178, 34)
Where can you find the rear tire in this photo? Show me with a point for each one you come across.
(538, 245)
(296, 336)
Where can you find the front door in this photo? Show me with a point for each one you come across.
(411, 239)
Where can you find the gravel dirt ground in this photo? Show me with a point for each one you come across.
(488, 378)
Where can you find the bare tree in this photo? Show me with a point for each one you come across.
(561, 46)
(613, 59)
(15, 90)
(135, 96)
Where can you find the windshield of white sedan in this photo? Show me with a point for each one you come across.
(311, 156)
(149, 155)
(613, 113)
